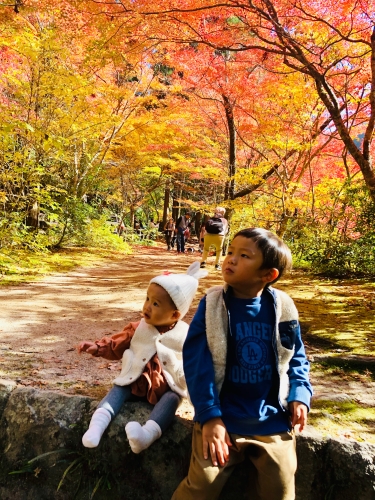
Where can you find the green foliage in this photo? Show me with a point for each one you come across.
(332, 248)
(81, 467)
(28, 466)
(83, 225)
(11, 231)
(90, 467)
(14, 234)
(99, 235)
(328, 253)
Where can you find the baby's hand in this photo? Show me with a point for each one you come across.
(298, 413)
(216, 441)
(89, 347)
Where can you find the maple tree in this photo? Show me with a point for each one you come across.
(271, 136)
(331, 44)
(155, 154)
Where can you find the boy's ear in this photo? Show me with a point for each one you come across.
(270, 275)
(176, 315)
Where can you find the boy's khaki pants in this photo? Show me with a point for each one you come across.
(274, 458)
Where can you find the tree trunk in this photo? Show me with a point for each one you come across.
(167, 193)
(32, 216)
(176, 211)
(198, 223)
(363, 163)
(131, 215)
(230, 187)
(175, 207)
(283, 223)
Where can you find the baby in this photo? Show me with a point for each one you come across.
(151, 352)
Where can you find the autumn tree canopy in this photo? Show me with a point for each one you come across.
(265, 106)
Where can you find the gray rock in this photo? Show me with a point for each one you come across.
(6, 387)
(351, 464)
(41, 431)
(50, 426)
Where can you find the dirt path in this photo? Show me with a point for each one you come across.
(42, 322)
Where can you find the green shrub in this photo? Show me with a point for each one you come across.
(99, 235)
(328, 253)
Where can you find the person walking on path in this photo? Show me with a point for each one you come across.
(151, 352)
(169, 231)
(247, 375)
(181, 225)
(215, 230)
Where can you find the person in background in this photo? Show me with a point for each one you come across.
(121, 228)
(152, 224)
(215, 230)
(181, 226)
(138, 227)
(247, 375)
(151, 352)
(138, 224)
(169, 231)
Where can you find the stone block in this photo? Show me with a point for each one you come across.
(40, 439)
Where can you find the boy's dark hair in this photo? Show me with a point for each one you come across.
(276, 254)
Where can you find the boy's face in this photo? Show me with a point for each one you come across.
(241, 268)
(158, 309)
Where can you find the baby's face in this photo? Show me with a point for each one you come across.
(158, 309)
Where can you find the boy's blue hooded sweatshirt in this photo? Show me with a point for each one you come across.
(244, 361)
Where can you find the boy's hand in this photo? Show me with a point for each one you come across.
(216, 441)
(298, 413)
(89, 347)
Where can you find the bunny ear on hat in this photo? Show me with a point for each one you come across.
(195, 271)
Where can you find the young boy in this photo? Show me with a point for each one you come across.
(247, 374)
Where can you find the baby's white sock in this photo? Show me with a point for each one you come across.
(99, 422)
(141, 437)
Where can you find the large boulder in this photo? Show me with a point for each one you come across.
(42, 456)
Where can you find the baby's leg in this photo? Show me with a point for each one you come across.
(141, 437)
(107, 409)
